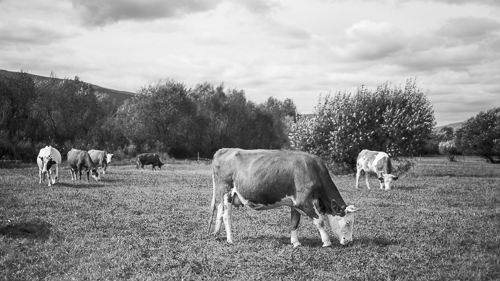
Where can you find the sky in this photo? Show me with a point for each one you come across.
(293, 49)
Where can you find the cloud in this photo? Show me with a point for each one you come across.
(372, 41)
(31, 32)
(469, 28)
(462, 2)
(449, 2)
(258, 6)
(103, 12)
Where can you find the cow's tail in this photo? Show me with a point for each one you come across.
(212, 207)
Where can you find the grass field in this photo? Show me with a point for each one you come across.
(441, 222)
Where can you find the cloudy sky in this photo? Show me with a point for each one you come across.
(294, 49)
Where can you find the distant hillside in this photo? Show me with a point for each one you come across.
(119, 96)
(453, 125)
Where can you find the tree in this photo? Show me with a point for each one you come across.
(17, 94)
(68, 108)
(480, 135)
(390, 119)
(159, 115)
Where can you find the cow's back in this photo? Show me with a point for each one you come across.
(264, 176)
(49, 150)
(148, 158)
(79, 158)
(98, 157)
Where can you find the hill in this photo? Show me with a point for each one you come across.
(453, 125)
(119, 96)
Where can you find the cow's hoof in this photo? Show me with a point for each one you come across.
(296, 245)
(327, 245)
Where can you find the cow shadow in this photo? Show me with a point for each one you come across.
(375, 241)
(81, 184)
(410, 187)
(285, 240)
(34, 230)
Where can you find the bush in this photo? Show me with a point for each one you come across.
(449, 149)
(390, 119)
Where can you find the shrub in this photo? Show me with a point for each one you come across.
(449, 149)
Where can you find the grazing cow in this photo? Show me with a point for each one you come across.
(79, 160)
(100, 159)
(267, 179)
(377, 162)
(48, 158)
(148, 159)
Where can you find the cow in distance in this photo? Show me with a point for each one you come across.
(267, 179)
(48, 159)
(79, 160)
(100, 158)
(148, 159)
(377, 162)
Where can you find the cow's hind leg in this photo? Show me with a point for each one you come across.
(218, 218)
(294, 223)
(228, 203)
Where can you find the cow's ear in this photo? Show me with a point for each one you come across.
(395, 178)
(351, 209)
(319, 206)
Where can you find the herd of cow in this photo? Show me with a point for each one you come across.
(259, 179)
(49, 159)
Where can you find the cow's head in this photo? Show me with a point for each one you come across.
(47, 163)
(337, 209)
(342, 226)
(387, 180)
(108, 158)
(95, 174)
(160, 164)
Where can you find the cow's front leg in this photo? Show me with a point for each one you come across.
(367, 182)
(228, 203)
(358, 174)
(50, 180)
(320, 224)
(294, 223)
(53, 176)
(40, 176)
(56, 179)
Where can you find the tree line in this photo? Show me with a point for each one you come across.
(169, 117)
(165, 116)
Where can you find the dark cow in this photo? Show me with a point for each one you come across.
(48, 159)
(149, 159)
(375, 162)
(100, 159)
(267, 179)
(79, 160)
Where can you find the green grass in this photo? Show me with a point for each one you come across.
(441, 222)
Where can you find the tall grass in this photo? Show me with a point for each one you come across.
(441, 222)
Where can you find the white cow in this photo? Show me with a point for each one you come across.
(48, 158)
(100, 159)
(376, 162)
(267, 179)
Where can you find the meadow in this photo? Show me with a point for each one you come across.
(440, 222)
